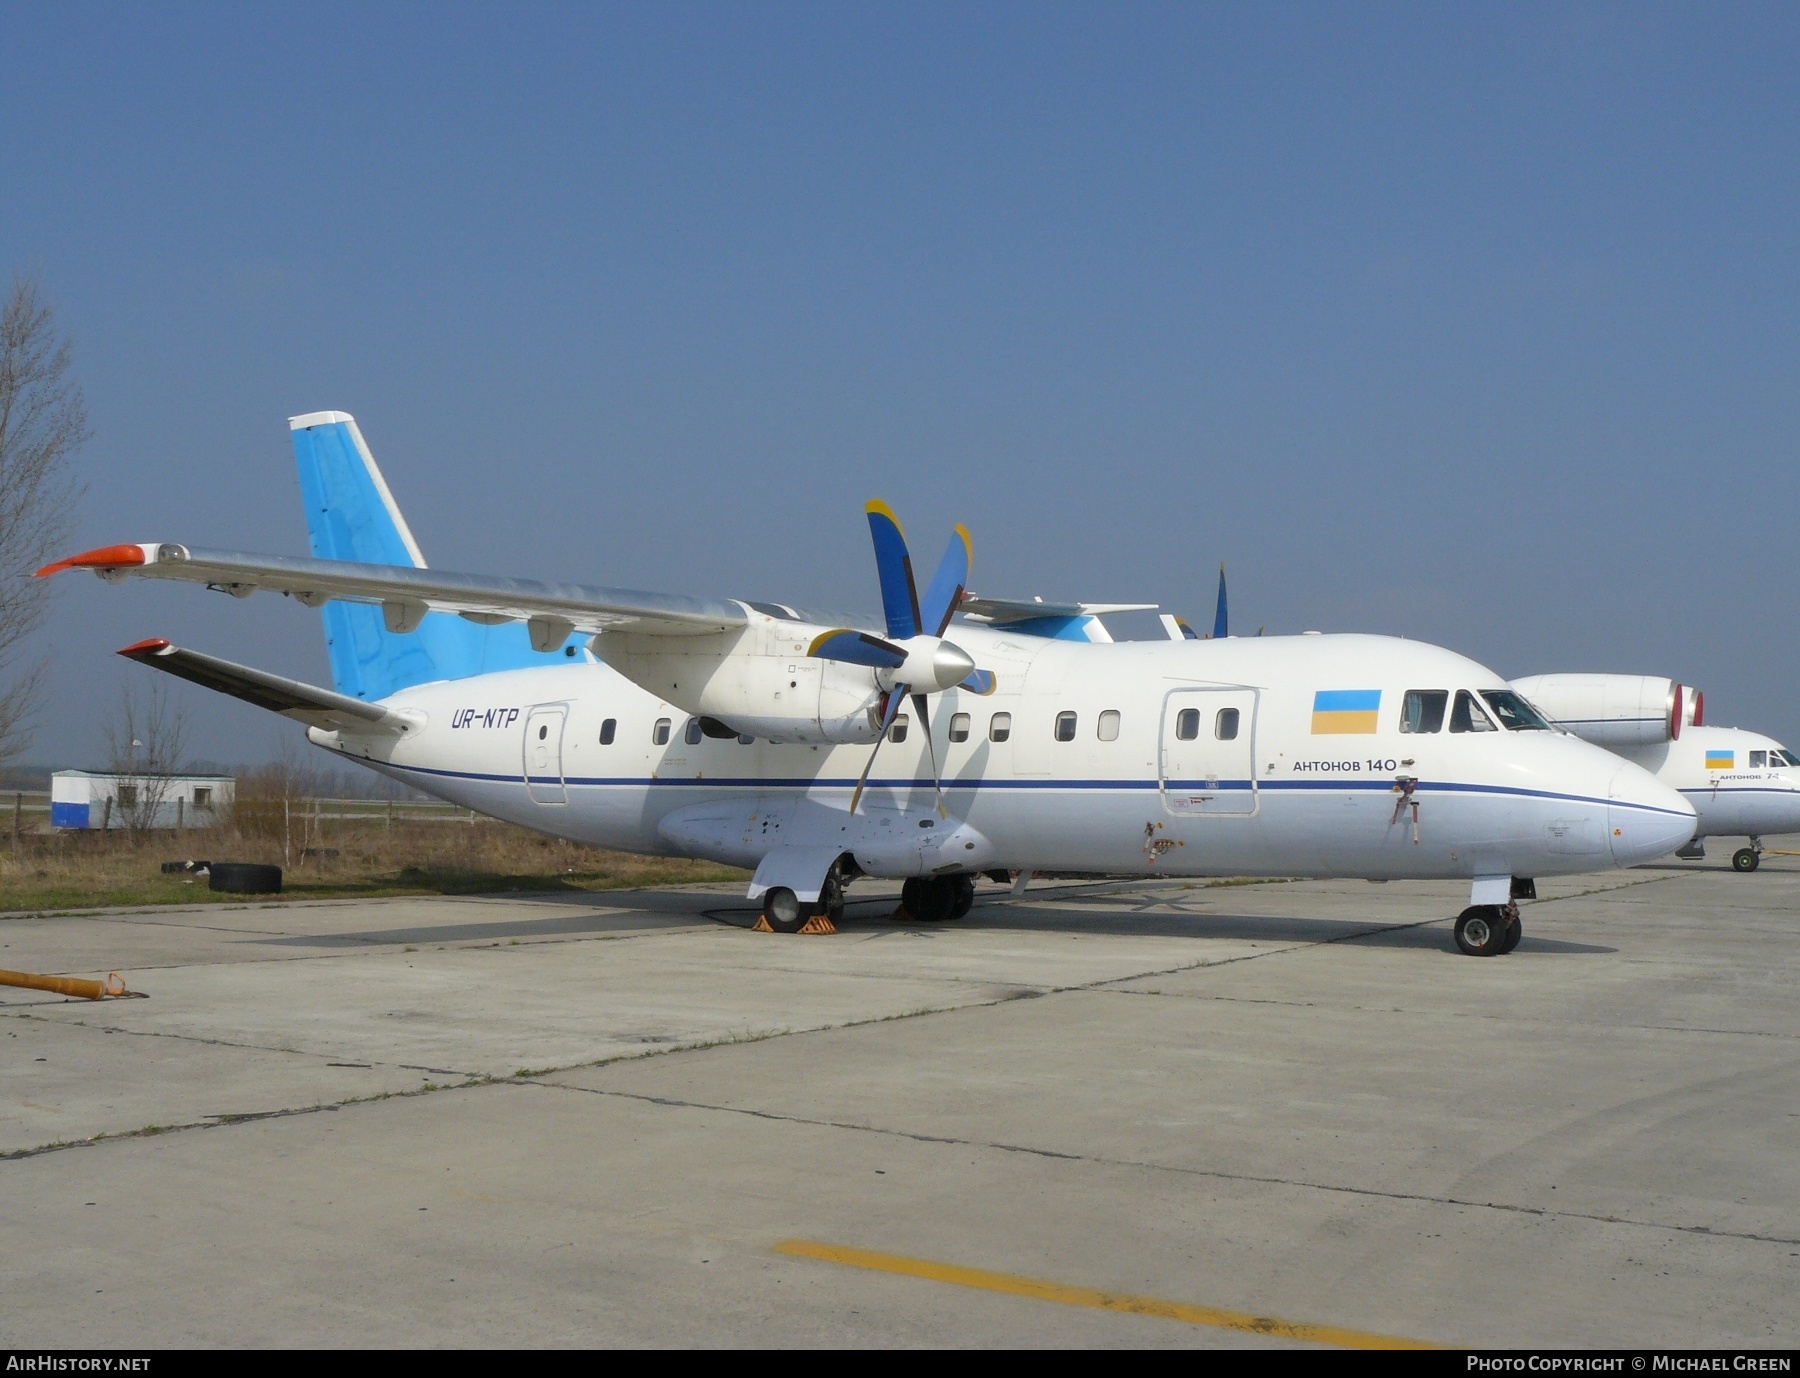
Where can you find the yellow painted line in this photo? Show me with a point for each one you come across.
(1017, 1286)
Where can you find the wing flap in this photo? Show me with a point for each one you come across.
(289, 697)
(478, 597)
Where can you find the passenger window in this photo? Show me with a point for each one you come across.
(1225, 726)
(692, 734)
(608, 730)
(1467, 716)
(959, 727)
(999, 727)
(543, 731)
(1065, 727)
(1187, 724)
(897, 733)
(1422, 710)
(1759, 760)
(1109, 725)
(659, 735)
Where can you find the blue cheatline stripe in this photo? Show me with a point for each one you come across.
(1068, 786)
(1707, 791)
(1347, 701)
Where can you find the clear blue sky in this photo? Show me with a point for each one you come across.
(1473, 324)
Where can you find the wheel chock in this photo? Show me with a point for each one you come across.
(819, 923)
(761, 925)
(113, 986)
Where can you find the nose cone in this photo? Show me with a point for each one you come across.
(951, 665)
(1645, 818)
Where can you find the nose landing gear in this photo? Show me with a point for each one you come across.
(1489, 930)
(1747, 859)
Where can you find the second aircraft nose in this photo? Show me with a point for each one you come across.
(1645, 818)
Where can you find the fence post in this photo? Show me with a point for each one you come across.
(390, 815)
(18, 816)
(106, 816)
(180, 814)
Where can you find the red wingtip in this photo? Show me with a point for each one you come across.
(150, 646)
(106, 557)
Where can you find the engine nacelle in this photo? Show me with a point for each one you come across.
(1619, 712)
(757, 679)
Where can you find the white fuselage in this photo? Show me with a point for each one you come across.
(1290, 793)
(1738, 782)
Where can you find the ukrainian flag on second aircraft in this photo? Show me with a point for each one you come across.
(1342, 712)
(1721, 760)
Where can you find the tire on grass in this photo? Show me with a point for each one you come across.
(245, 878)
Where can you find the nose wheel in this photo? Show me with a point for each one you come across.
(1489, 930)
(1747, 859)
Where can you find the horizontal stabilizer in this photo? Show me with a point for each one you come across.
(289, 697)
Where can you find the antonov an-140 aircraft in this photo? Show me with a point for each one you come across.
(1741, 784)
(748, 732)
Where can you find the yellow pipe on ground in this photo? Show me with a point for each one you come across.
(113, 985)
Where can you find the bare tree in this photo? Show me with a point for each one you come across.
(145, 746)
(43, 421)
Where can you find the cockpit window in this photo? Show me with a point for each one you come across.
(1788, 757)
(1467, 716)
(1422, 710)
(1759, 760)
(1514, 712)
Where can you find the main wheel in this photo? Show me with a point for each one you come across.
(783, 910)
(1514, 931)
(1481, 930)
(912, 898)
(831, 898)
(962, 895)
(1745, 859)
(929, 898)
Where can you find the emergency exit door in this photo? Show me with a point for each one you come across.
(1208, 752)
(543, 753)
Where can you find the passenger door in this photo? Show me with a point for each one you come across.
(543, 753)
(1208, 752)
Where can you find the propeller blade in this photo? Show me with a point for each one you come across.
(899, 596)
(948, 584)
(857, 648)
(1219, 620)
(937, 783)
(895, 699)
(981, 682)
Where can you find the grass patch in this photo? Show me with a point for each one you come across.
(345, 859)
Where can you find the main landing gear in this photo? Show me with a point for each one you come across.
(786, 912)
(932, 899)
(1747, 859)
(1489, 930)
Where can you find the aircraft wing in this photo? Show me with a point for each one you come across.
(289, 697)
(1000, 611)
(553, 611)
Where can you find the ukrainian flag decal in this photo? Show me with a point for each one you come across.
(1721, 760)
(1340, 712)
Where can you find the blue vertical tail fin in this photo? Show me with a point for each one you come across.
(351, 515)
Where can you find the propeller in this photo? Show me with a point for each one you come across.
(914, 660)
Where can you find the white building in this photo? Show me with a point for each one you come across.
(87, 799)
